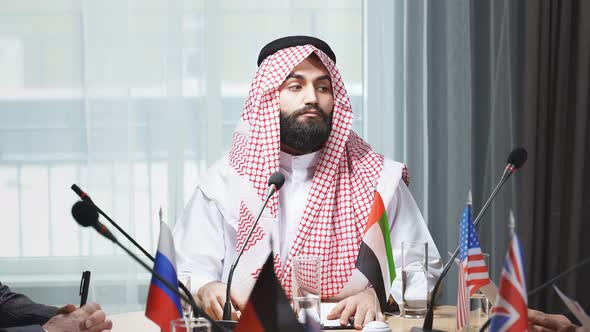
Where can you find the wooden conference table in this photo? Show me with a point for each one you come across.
(444, 319)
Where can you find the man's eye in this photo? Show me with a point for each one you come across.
(295, 87)
(323, 89)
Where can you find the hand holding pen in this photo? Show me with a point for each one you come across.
(84, 284)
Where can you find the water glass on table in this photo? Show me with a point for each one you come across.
(414, 279)
(479, 308)
(306, 286)
(190, 324)
(479, 305)
(185, 278)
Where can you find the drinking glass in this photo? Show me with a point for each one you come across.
(185, 278)
(479, 305)
(306, 286)
(414, 279)
(190, 325)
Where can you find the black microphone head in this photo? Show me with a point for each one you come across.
(517, 157)
(278, 179)
(84, 214)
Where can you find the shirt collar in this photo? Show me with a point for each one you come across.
(305, 161)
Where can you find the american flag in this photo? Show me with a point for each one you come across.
(510, 313)
(473, 272)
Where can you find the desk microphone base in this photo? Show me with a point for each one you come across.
(228, 325)
(419, 329)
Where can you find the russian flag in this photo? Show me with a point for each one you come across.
(163, 305)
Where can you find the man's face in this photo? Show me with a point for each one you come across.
(306, 102)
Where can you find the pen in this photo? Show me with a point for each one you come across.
(84, 283)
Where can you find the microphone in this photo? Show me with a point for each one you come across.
(515, 160)
(85, 216)
(89, 212)
(559, 276)
(275, 182)
(84, 196)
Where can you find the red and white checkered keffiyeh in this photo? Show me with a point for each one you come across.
(343, 185)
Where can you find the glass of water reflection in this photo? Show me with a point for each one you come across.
(414, 279)
(306, 286)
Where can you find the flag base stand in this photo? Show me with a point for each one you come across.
(227, 325)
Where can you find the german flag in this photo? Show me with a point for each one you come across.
(268, 308)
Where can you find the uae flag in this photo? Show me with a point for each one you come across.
(268, 308)
(375, 259)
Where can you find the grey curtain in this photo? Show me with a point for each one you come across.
(452, 87)
(419, 106)
(493, 135)
(530, 85)
(531, 71)
(554, 123)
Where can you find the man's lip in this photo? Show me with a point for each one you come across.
(311, 114)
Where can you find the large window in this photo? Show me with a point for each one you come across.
(131, 100)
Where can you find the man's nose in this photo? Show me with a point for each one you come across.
(310, 96)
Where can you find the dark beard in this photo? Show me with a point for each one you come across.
(307, 135)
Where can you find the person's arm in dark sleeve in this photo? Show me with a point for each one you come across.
(18, 310)
(29, 328)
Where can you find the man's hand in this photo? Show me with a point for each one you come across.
(540, 321)
(211, 297)
(361, 305)
(66, 309)
(89, 318)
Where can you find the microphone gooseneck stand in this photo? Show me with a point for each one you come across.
(172, 288)
(84, 197)
(275, 182)
(515, 160)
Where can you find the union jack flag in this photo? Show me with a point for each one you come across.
(510, 312)
(473, 272)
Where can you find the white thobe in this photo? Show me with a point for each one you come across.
(205, 235)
